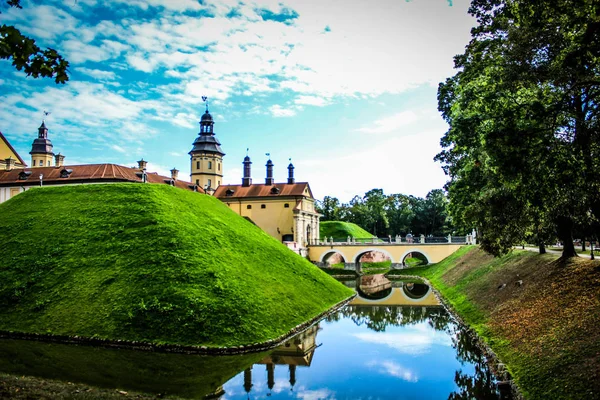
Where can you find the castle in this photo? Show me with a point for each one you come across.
(284, 210)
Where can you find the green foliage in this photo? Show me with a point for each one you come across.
(341, 230)
(524, 127)
(152, 263)
(27, 56)
(394, 214)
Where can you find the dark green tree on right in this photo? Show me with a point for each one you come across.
(522, 151)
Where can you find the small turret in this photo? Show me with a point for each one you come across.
(247, 179)
(269, 179)
(291, 179)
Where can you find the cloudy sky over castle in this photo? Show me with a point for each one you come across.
(347, 89)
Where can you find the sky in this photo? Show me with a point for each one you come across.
(345, 88)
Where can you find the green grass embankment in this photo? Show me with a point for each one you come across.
(545, 328)
(341, 230)
(150, 263)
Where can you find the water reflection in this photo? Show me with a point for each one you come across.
(399, 345)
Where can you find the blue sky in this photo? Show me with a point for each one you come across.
(346, 88)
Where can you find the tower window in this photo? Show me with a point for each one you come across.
(210, 165)
(48, 162)
(209, 183)
(249, 207)
(197, 164)
(34, 163)
(197, 181)
(218, 166)
(263, 206)
(286, 205)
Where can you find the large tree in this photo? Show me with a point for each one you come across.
(27, 56)
(523, 141)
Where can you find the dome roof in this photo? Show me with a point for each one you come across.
(247, 159)
(207, 143)
(206, 117)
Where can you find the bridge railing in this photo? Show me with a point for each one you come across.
(394, 240)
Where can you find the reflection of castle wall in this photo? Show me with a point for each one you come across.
(373, 256)
(374, 283)
(299, 350)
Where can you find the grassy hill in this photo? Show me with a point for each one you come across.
(540, 314)
(341, 230)
(149, 263)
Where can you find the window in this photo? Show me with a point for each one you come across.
(263, 206)
(286, 205)
(209, 183)
(218, 166)
(249, 207)
(218, 183)
(210, 165)
(197, 164)
(48, 162)
(197, 181)
(34, 163)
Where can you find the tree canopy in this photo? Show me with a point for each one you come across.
(522, 147)
(394, 214)
(27, 56)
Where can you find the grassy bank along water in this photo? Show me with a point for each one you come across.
(538, 313)
(150, 263)
(341, 230)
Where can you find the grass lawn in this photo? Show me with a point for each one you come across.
(341, 230)
(545, 329)
(150, 263)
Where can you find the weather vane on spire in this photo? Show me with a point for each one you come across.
(268, 155)
(205, 99)
(46, 113)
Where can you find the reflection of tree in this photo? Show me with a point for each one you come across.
(481, 385)
(378, 318)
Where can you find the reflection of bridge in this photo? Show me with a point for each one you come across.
(351, 253)
(377, 290)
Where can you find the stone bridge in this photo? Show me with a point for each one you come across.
(351, 252)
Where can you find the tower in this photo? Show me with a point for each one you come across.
(206, 157)
(41, 149)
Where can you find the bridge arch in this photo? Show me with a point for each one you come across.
(414, 250)
(329, 253)
(362, 252)
(417, 294)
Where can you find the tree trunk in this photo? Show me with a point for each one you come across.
(583, 244)
(542, 248)
(564, 227)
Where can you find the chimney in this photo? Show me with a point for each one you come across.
(291, 179)
(174, 173)
(142, 164)
(269, 179)
(59, 160)
(247, 179)
(10, 163)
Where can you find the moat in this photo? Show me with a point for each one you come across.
(393, 341)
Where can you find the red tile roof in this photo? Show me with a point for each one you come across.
(88, 173)
(12, 149)
(262, 190)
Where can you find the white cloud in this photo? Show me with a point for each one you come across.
(311, 100)
(394, 369)
(278, 111)
(414, 339)
(318, 394)
(97, 73)
(118, 148)
(391, 123)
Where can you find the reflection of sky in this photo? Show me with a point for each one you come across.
(410, 362)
